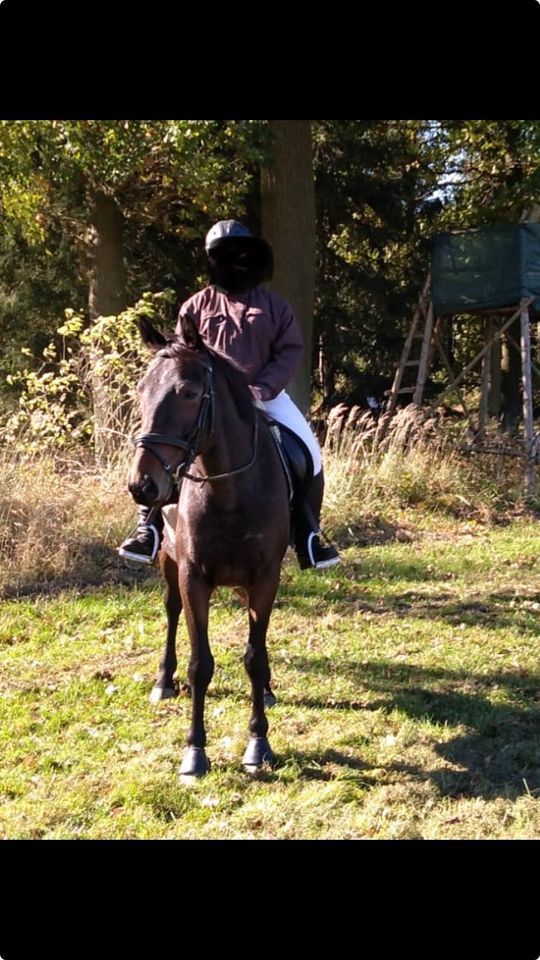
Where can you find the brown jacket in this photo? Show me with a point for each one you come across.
(256, 328)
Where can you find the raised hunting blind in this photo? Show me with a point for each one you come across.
(492, 272)
(491, 268)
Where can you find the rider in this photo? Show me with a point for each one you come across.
(256, 328)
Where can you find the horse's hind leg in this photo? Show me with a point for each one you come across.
(270, 699)
(164, 686)
(261, 598)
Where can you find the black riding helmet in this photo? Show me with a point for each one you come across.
(238, 260)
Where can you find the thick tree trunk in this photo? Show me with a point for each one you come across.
(107, 294)
(107, 297)
(288, 222)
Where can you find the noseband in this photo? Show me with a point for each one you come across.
(191, 446)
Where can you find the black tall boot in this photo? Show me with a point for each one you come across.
(306, 516)
(143, 547)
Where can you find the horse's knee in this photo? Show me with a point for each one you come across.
(256, 662)
(201, 670)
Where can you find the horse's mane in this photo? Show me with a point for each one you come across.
(231, 372)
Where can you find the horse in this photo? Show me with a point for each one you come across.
(203, 433)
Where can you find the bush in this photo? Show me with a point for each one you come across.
(84, 392)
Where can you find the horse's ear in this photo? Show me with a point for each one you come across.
(189, 333)
(151, 337)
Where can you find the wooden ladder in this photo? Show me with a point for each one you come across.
(423, 314)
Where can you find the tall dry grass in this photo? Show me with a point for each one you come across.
(61, 518)
(416, 467)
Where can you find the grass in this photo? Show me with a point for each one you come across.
(407, 679)
(408, 702)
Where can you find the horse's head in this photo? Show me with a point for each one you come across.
(175, 395)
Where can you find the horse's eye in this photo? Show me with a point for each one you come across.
(189, 394)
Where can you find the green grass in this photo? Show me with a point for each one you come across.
(408, 703)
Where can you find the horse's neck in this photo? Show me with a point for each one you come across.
(232, 443)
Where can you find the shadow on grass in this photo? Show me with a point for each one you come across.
(340, 592)
(321, 766)
(499, 754)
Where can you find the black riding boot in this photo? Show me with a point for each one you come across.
(306, 515)
(143, 547)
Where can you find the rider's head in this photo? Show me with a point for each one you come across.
(238, 260)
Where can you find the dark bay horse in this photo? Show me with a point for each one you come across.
(200, 427)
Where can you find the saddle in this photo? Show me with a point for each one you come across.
(295, 457)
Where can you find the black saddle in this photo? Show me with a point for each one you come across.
(295, 457)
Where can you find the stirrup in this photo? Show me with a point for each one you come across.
(142, 557)
(330, 560)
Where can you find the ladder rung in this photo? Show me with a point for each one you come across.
(411, 363)
(406, 390)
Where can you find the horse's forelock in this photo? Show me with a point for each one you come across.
(175, 348)
(234, 376)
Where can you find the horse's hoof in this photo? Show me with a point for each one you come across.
(194, 764)
(162, 693)
(269, 699)
(258, 751)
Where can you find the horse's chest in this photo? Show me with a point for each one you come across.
(222, 539)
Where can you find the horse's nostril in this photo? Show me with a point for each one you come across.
(143, 490)
(147, 485)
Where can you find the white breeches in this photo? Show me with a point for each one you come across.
(282, 409)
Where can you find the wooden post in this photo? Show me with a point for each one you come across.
(526, 376)
(486, 376)
(517, 346)
(451, 388)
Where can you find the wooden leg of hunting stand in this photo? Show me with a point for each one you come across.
(528, 425)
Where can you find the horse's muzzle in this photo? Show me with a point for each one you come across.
(144, 491)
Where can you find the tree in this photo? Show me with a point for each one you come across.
(288, 220)
(374, 185)
(97, 178)
(93, 213)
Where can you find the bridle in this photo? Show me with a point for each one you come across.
(191, 446)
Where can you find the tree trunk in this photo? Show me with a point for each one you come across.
(511, 380)
(494, 398)
(327, 370)
(288, 221)
(107, 294)
(107, 297)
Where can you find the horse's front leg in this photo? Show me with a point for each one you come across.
(164, 686)
(261, 598)
(195, 594)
